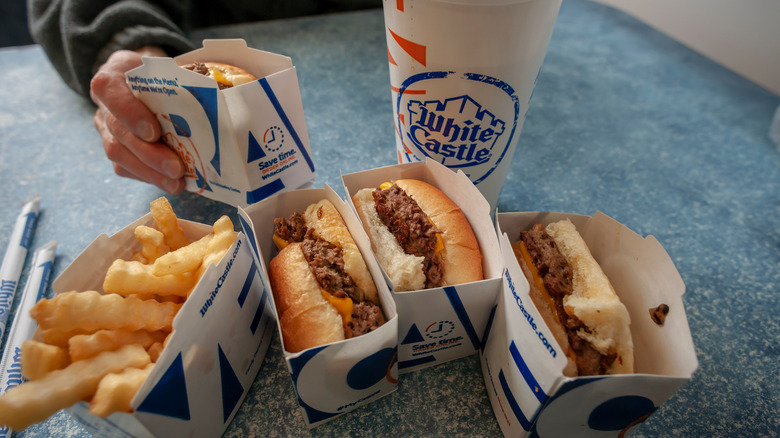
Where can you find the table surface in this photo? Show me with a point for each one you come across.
(623, 120)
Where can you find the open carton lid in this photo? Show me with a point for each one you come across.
(220, 337)
(241, 144)
(335, 378)
(456, 186)
(437, 325)
(529, 392)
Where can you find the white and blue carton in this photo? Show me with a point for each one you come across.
(441, 324)
(523, 365)
(220, 337)
(241, 144)
(333, 379)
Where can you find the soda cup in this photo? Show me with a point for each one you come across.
(462, 73)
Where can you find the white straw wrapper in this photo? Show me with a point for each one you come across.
(13, 262)
(23, 326)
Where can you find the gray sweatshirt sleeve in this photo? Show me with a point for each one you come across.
(79, 35)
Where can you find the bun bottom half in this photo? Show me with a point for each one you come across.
(306, 318)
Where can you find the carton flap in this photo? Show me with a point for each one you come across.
(241, 144)
(207, 359)
(643, 275)
(236, 52)
(444, 323)
(545, 356)
(336, 378)
(221, 335)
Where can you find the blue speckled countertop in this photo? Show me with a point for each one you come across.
(623, 120)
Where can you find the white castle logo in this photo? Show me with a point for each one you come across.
(456, 132)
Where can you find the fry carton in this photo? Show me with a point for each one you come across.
(446, 323)
(241, 144)
(336, 378)
(220, 337)
(523, 365)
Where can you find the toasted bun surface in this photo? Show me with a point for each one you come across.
(593, 300)
(461, 257)
(306, 318)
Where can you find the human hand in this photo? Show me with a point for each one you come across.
(129, 130)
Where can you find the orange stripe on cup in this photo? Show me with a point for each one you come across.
(407, 91)
(390, 57)
(416, 51)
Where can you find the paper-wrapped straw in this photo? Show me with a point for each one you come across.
(13, 262)
(23, 326)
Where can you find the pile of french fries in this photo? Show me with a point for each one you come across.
(100, 347)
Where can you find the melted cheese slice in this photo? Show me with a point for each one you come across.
(219, 76)
(538, 282)
(280, 243)
(343, 306)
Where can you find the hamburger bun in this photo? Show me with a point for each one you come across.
(226, 75)
(321, 285)
(457, 246)
(574, 292)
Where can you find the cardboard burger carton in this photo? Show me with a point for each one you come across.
(336, 378)
(446, 323)
(220, 337)
(523, 365)
(240, 144)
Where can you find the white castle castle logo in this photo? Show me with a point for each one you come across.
(456, 132)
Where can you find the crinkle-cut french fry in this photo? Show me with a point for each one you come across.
(138, 256)
(39, 359)
(185, 259)
(224, 235)
(155, 350)
(116, 390)
(129, 278)
(36, 400)
(169, 298)
(82, 347)
(153, 244)
(57, 336)
(92, 311)
(166, 221)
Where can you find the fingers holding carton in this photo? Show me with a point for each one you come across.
(100, 347)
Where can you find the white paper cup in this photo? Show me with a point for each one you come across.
(462, 73)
